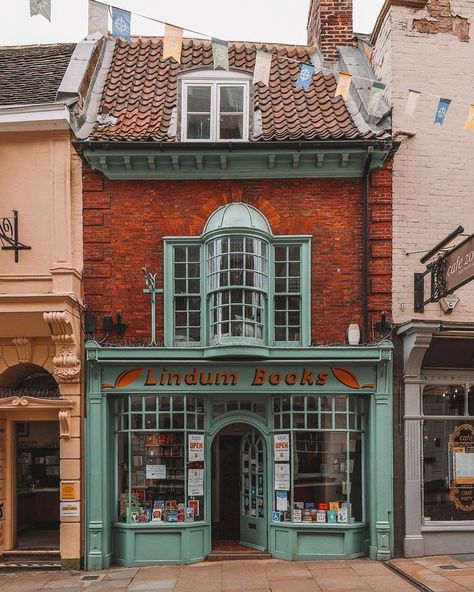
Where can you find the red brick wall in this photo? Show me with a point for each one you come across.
(330, 25)
(125, 221)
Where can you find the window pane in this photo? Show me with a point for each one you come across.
(231, 127)
(448, 453)
(199, 99)
(198, 127)
(443, 400)
(232, 99)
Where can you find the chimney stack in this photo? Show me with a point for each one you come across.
(330, 25)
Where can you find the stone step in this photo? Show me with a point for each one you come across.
(235, 555)
(30, 559)
(28, 564)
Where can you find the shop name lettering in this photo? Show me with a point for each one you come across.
(261, 377)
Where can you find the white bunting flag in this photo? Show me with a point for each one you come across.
(42, 7)
(263, 64)
(343, 85)
(172, 43)
(412, 102)
(98, 18)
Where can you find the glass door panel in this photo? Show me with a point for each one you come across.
(253, 524)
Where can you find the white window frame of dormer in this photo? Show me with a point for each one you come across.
(215, 79)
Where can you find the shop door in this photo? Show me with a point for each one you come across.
(253, 522)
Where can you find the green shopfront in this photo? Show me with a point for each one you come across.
(291, 454)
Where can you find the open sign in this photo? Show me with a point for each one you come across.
(281, 447)
(195, 447)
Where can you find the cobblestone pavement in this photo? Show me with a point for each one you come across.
(270, 575)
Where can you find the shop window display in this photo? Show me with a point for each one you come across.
(160, 459)
(320, 479)
(448, 453)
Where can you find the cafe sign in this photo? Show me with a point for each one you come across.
(459, 265)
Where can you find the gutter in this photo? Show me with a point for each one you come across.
(381, 144)
(365, 244)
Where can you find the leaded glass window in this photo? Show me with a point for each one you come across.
(187, 294)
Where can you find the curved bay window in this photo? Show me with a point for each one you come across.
(237, 287)
(238, 284)
(448, 452)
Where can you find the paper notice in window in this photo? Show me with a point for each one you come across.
(195, 482)
(464, 467)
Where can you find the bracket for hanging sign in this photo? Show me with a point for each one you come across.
(449, 271)
(9, 235)
(150, 279)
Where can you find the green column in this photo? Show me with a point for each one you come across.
(380, 461)
(98, 530)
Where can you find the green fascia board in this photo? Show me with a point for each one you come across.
(289, 163)
(362, 354)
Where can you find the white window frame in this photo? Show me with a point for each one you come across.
(215, 80)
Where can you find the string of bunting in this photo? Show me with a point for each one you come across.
(172, 42)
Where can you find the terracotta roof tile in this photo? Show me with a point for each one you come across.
(31, 74)
(141, 91)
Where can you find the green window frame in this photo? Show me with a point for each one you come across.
(327, 453)
(154, 430)
(253, 296)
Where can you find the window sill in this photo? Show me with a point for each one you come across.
(320, 525)
(135, 525)
(445, 526)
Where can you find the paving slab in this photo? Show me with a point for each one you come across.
(298, 585)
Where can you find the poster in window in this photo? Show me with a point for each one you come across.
(195, 447)
(461, 447)
(195, 482)
(282, 476)
(281, 447)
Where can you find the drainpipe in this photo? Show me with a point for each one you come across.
(365, 245)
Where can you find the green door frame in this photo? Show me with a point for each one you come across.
(253, 421)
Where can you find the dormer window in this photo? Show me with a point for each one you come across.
(215, 107)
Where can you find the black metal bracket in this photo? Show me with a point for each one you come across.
(9, 235)
(438, 284)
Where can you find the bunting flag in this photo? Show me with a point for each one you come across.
(470, 119)
(121, 23)
(263, 64)
(344, 85)
(172, 43)
(98, 18)
(305, 76)
(376, 94)
(412, 102)
(442, 110)
(42, 7)
(220, 53)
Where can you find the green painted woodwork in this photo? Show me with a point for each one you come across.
(234, 162)
(304, 542)
(253, 456)
(268, 337)
(137, 544)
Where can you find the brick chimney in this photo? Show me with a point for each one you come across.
(330, 25)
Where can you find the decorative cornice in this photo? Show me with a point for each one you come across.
(67, 365)
(20, 402)
(241, 163)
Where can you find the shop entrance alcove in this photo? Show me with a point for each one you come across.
(239, 489)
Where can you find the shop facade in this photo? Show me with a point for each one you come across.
(305, 442)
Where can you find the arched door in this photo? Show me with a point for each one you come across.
(253, 521)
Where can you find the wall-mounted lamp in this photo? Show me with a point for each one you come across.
(110, 326)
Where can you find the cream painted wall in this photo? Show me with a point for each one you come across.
(433, 175)
(40, 176)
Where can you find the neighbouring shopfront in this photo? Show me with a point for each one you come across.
(289, 455)
(439, 438)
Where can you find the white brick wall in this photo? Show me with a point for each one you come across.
(433, 178)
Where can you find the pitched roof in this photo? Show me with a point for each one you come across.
(141, 91)
(31, 74)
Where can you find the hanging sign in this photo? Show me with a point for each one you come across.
(461, 447)
(155, 472)
(195, 482)
(281, 446)
(459, 265)
(195, 447)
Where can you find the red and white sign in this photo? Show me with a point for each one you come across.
(195, 447)
(281, 446)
